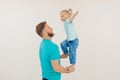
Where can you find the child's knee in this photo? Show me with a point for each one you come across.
(62, 44)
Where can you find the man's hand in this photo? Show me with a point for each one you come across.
(58, 68)
(70, 69)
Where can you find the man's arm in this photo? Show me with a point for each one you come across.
(58, 68)
(74, 15)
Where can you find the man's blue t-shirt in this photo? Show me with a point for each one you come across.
(49, 51)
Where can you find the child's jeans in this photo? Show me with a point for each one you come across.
(69, 47)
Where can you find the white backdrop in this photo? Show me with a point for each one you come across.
(97, 25)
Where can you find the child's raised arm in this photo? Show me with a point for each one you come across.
(74, 15)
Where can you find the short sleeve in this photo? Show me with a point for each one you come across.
(67, 21)
(55, 54)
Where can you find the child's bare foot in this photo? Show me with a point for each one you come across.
(73, 65)
(64, 55)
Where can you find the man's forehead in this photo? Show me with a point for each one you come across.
(46, 26)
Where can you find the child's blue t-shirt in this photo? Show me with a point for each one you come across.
(49, 51)
(69, 29)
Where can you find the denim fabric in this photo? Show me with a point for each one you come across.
(69, 47)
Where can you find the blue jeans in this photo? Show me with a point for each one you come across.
(69, 47)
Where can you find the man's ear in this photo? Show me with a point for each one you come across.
(45, 33)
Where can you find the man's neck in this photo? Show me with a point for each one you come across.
(49, 38)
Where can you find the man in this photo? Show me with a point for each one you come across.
(49, 54)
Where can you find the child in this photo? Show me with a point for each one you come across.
(69, 45)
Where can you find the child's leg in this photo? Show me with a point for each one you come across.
(72, 51)
(64, 46)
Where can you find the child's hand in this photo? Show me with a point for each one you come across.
(76, 13)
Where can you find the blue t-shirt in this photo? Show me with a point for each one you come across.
(49, 51)
(69, 29)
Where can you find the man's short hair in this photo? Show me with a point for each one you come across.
(39, 28)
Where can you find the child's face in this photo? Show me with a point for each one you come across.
(64, 16)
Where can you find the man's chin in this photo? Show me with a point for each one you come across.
(51, 35)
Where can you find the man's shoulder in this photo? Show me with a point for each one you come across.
(49, 44)
(54, 45)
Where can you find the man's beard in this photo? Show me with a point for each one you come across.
(51, 34)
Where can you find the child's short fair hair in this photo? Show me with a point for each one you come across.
(69, 11)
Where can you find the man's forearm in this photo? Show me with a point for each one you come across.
(61, 69)
(57, 67)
